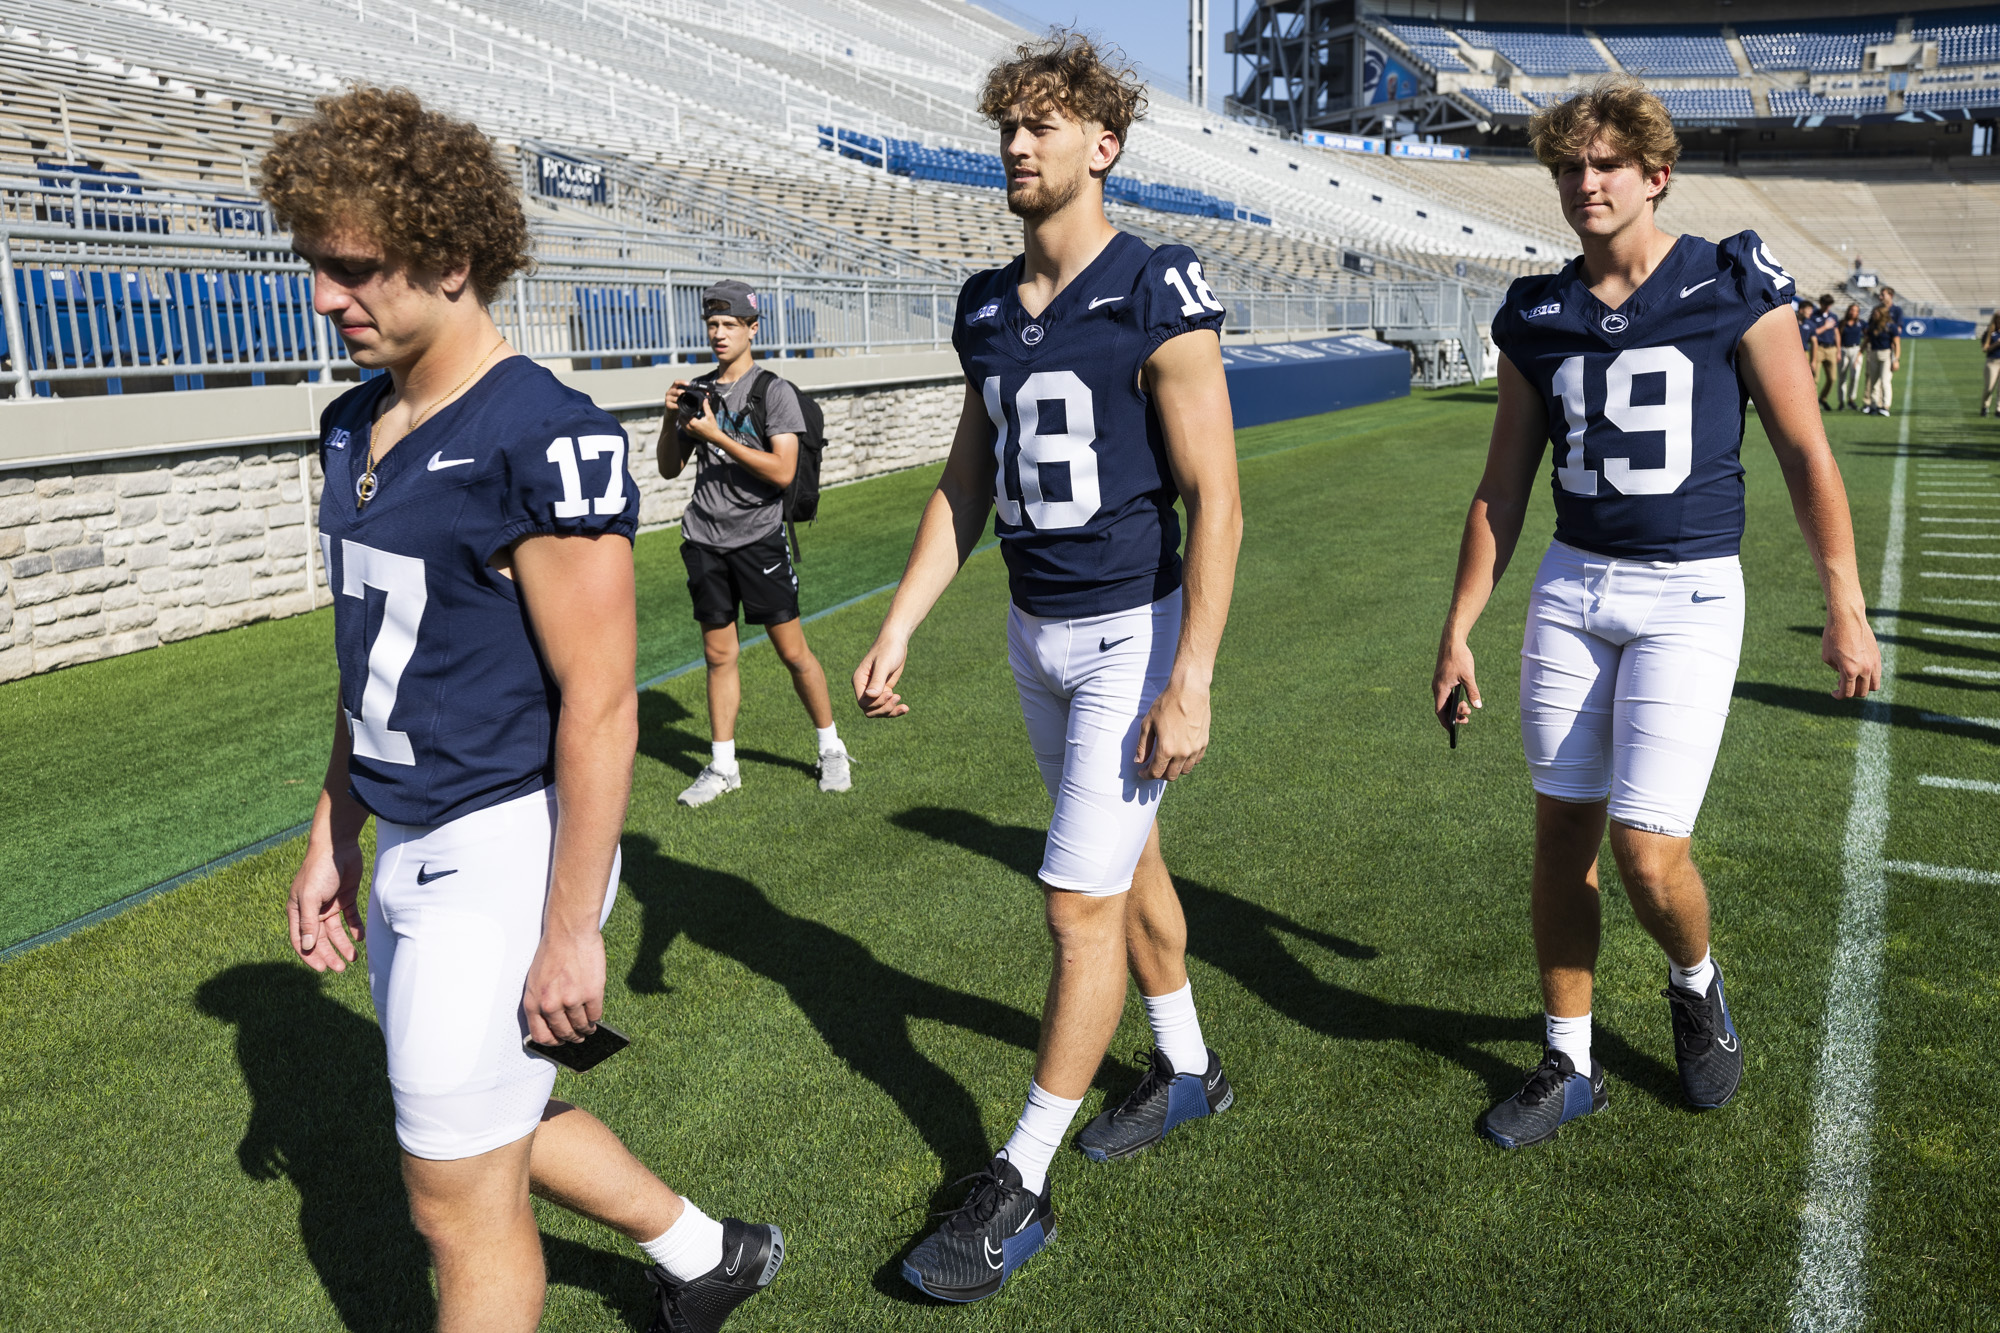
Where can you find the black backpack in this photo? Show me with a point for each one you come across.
(802, 495)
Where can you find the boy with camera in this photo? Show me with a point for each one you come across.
(742, 425)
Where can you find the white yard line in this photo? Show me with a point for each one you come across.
(1959, 784)
(1938, 574)
(1966, 555)
(1966, 672)
(1956, 874)
(1830, 1294)
(1964, 633)
(1959, 601)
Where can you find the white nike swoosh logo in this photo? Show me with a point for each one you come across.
(994, 1258)
(1104, 300)
(1726, 1043)
(734, 1263)
(774, 566)
(1687, 291)
(438, 460)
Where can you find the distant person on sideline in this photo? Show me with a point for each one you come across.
(476, 526)
(1883, 344)
(1990, 342)
(1825, 350)
(1853, 330)
(745, 443)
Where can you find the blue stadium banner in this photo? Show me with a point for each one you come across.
(568, 178)
(1384, 78)
(1344, 143)
(1280, 381)
(1916, 326)
(1442, 152)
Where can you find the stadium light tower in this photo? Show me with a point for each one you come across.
(1198, 53)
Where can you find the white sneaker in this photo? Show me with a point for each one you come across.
(711, 783)
(833, 774)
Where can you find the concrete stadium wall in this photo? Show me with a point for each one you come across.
(128, 522)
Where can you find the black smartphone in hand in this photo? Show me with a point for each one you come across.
(604, 1042)
(1449, 713)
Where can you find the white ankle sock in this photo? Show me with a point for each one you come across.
(1177, 1029)
(690, 1247)
(1571, 1036)
(1694, 978)
(722, 757)
(829, 737)
(1044, 1122)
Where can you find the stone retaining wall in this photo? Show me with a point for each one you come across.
(108, 557)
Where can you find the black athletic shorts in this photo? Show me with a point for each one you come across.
(759, 577)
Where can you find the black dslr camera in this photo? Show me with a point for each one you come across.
(697, 400)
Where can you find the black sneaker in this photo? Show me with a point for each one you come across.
(751, 1253)
(1554, 1095)
(1705, 1045)
(1162, 1100)
(999, 1227)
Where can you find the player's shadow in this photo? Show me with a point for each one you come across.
(1247, 942)
(663, 738)
(320, 1117)
(1818, 703)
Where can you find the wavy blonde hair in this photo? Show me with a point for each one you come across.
(1617, 110)
(430, 190)
(1068, 72)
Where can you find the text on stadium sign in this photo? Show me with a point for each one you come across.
(567, 178)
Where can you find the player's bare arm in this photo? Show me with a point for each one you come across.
(324, 903)
(1780, 383)
(581, 606)
(1186, 381)
(954, 519)
(1492, 528)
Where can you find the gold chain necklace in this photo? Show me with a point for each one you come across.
(365, 489)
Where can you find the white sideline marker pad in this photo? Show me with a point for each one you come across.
(1830, 1293)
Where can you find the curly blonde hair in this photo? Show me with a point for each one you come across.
(1067, 72)
(1618, 110)
(429, 189)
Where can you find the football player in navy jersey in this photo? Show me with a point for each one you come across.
(1634, 363)
(476, 525)
(1094, 397)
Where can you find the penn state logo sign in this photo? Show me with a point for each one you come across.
(1031, 334)
(1614, 322)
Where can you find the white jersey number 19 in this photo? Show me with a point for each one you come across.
(1673, 418)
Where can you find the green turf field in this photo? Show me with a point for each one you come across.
(834, 999)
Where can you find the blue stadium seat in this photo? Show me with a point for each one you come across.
(1539, 51)
(1500, 101)
(1431, 43)
(1662, 52)
(1967, 39)
(1825, 46)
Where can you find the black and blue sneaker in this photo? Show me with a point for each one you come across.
(1162, 1100)
(999, 1227)
(1554, 1095)
(1705, 1044)
(751, 1253)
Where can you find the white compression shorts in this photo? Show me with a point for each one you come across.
(1085, 687)
(1626, 672)
(454, 919)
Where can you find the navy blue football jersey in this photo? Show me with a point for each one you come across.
(446, 695)
(1644, 403)
(1083, 495)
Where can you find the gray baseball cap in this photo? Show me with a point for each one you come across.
(730, 297)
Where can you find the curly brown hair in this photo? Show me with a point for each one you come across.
(1618, 110)
(1066, 71)
(429, 189)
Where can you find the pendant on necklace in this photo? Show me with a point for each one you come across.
(364, 489)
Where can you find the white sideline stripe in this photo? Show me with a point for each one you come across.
(1934, 574)
(1830, 1293)
(1959, 784)
(1966, 672)
(1954, 720)
(1957, 874)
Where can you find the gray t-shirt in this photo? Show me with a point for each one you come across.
(730, 506)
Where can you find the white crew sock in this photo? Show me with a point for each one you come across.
(722, 758)
(1044, 1122)
(1571, 1036)
(829, 737)
(1177, 1030)
(1694, 978)
(690, 1247)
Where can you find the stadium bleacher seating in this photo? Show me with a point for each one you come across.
(1799, 102)
(1503, 101)
(1827, 46)
(1659, 53)
(1542, 51)
(1971, 39)
(1430, 43)
(1708, 103)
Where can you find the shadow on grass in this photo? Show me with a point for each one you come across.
(321, 1118)
(1818, 703)
(1246, 941)
(662, 738)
